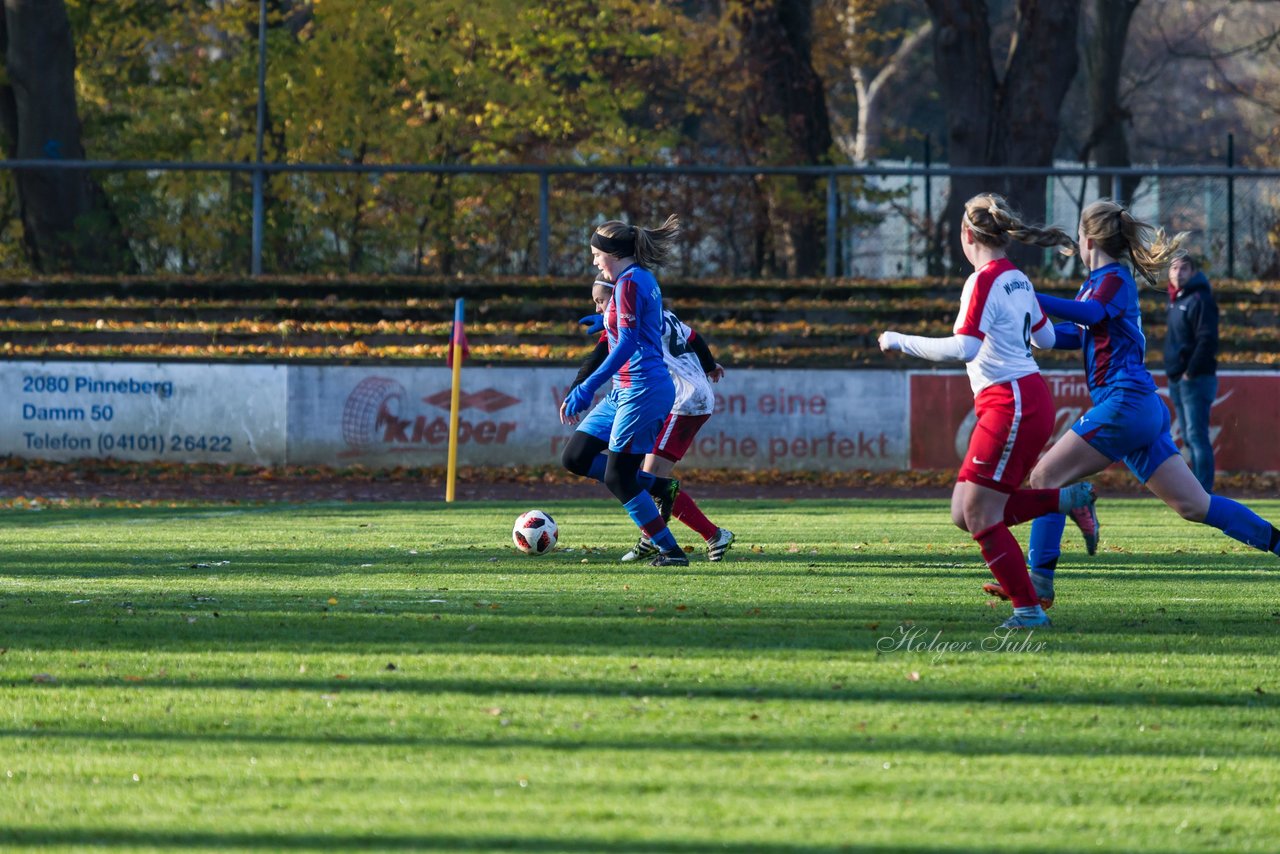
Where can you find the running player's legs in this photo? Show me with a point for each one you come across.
(585, 452)
(1126, 426)
(676, 436)
(1123, 424)
(665, 489)
(1144, 461)
(674, 441)
(1014, 421)
(639, 416)
(1175, 484)
(582, 455)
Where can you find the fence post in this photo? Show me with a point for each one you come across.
(928, 183)
(1231, 207)
(833, 217)
(544, 223)
(932, 263)
(256, 261)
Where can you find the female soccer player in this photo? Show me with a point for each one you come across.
(693, 368)
(999, 321)
(1128, 420)
(627, 421)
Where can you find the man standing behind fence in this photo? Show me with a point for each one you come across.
(1191, 360)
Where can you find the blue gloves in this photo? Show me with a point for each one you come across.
(593, 322)
(579, 400)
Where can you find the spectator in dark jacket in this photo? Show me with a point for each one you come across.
(1191, 360)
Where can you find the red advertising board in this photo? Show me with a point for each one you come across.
(1243, 423)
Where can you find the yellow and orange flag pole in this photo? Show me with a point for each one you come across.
(458, 350)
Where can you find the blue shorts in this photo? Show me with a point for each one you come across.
(1132, 426)
(629, 419)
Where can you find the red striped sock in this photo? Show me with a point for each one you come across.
(687, 512)
(1007, 563)
(1027, 504)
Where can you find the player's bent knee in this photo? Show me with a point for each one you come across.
(977, 523)
(577, 458)
(572, 461)
(623, 485)
(1038, 480)
(1190, 510)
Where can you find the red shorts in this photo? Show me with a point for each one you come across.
(1015, 420)
(676, 435)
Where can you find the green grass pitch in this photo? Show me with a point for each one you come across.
(396, 677)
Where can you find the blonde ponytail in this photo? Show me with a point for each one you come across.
(993, 223)
(1119, 234)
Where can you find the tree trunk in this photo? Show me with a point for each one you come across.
(791, 125)
(869, 89)
(1003, 117)
(1104, 55)
(67, 222)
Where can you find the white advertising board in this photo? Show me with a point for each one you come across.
(391, 416)
(381, 417)
(765, 419)
(177, 412)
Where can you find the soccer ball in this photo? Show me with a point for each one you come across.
(535, 533)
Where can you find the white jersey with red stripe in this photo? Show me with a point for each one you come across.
(694, 395)
(998, 307)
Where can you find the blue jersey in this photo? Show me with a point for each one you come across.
(637, 304)
(1115, 350)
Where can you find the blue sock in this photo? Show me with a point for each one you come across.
(1046, 543)
(596, 472)
(644, 513)
(1240, 523)
(665, 540)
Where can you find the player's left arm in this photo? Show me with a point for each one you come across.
(702, 350)
(956, 348)
(713, 369)
(1085, 313)
(1109, 297)
(625, 298)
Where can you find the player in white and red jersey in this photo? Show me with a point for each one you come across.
(999, 322)
(693, 369)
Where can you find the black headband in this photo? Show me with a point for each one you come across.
(621, 247)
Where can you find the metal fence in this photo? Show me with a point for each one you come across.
(1232, 216)
(236, 218)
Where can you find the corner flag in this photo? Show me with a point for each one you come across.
(457, 342)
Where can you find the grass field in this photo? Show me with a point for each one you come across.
(395, 677)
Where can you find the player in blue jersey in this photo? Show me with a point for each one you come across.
(693, 369)
(1128, 420)
(627, 421)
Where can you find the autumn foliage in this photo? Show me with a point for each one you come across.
(511, 321)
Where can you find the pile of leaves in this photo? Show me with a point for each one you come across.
(26, 484)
